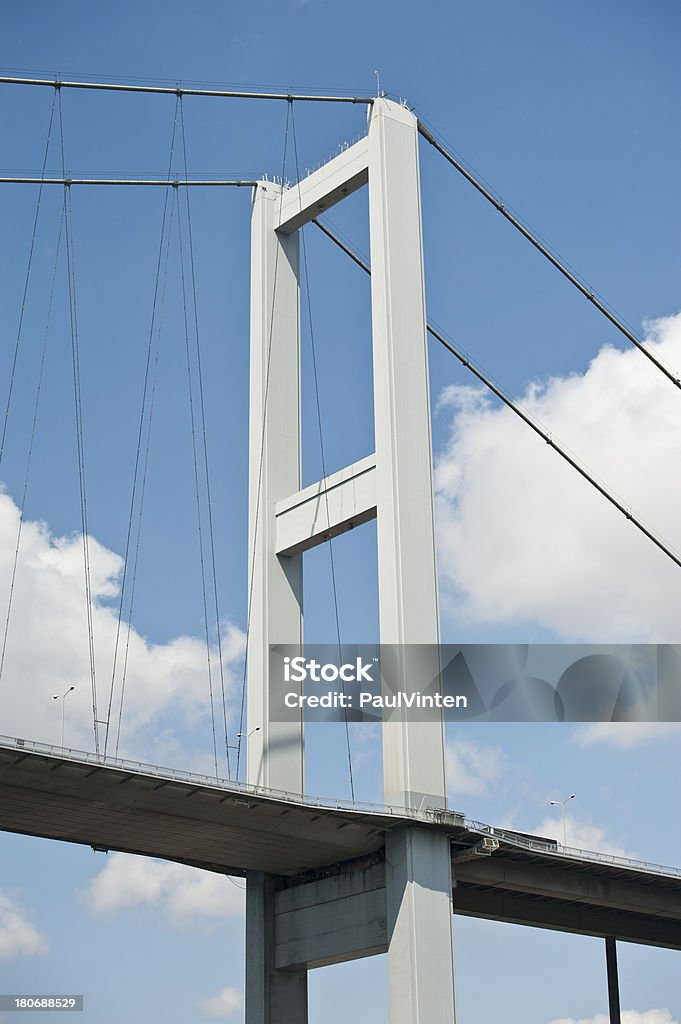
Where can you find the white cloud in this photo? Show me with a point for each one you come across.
(182, 893)
(167, 683)
(522, 538)
(582, 834)
(624, 735)
(18, 936)
(472, 768)
(225, 1004)
(628, 1017)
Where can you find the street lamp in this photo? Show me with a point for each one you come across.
(561, 804)
(237, 747)
(62, 699)
(239, 736)
(247, 734)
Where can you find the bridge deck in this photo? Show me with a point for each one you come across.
(233, 828)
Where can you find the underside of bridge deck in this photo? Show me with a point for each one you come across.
(326, 857)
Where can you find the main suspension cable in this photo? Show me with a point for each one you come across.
(27, 278)
(496, 389)
(202, 408)
(80, 437)
(541, 247)
(158, 182)
(323, 459)
(181, 91)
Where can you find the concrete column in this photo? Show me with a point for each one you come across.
(420, 918)
(418, 865)
(613, 980)
(275, 750)
(272, 996)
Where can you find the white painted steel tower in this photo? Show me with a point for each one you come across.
(395, 485)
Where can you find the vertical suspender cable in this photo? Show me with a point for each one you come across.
(26, 282)
(143, 411)
(30, 444)
(80, 440)
(145, 467)
(197, 490)
(209, 503)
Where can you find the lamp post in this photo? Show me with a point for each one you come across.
(62, 699)
(240, 736)
(561, 804)
(247, 734)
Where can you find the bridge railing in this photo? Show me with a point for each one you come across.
(575, 853)
(198, 779)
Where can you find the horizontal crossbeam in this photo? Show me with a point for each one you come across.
(322, 189)
(343, 916)
(327, 508)
(331, 920)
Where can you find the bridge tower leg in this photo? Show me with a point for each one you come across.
(418, 866)
(275, 586)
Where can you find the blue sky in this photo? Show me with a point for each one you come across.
(570, 112)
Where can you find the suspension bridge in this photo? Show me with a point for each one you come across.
(327, 881)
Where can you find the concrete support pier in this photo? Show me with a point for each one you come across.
(272, 996)
(613, 980)
(419, 917)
